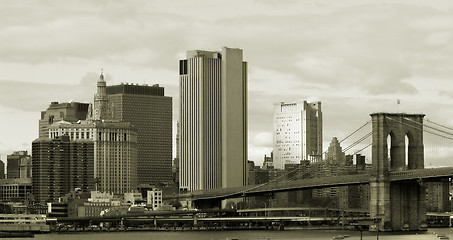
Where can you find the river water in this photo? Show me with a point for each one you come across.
(246, 235)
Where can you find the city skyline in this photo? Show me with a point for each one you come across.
(355, 57)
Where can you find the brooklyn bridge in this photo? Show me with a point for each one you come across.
(396, 176)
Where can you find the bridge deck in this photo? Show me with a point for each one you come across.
(299, 184)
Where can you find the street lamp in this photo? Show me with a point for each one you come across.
(265, 208)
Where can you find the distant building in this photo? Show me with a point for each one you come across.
(150, 112)
(335, 154)
(115, 151)
(213, 119)
(133, 198)
(15, 190)
(438, 195)
(268, 162)
(175, 168)
(154, 199)
(359, 161)
(115, 144)
(100, 204)
(61, 165)
(2, 170)
(25, 167)
(13, 163)
(69, 112)
(297, 133)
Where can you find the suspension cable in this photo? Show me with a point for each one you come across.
(357, 142)
(355, 131)
(442, 131)
(439, 135)
(440, 125)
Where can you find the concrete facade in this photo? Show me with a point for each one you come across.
(297, 133)
(115, 151)
(15, 190)
(398, 205)
(213, 120)
(69, 112)
(115, 143)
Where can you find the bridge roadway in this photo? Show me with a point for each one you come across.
(281, 186)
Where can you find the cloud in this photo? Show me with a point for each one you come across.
(35, 97)
(355, 57)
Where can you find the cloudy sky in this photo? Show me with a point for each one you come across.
(355, 56)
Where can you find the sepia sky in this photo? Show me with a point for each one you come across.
(355, 56)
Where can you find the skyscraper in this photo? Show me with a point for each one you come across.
(61, 165)
(115, 143)
(115, 151)
(297, 133)
(213, 119)
(150, 112)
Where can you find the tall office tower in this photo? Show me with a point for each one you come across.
(115, 151)
(297, 133)
(61, 165)
(213, 119)
(70, 112)
(13, 163)
(150, 112)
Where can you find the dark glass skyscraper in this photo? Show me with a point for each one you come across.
(150, 112)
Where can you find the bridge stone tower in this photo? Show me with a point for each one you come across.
(398, 205)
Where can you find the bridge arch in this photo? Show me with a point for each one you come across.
(398, 126)
(397, 145)
(391, 143)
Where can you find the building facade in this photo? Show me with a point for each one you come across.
(25, 167)
(14, 163)
(438, 195)
(15, 190)
(2, 170)
(335, 154)
(61, 165)
(69, 112)
(115, 151)
(150, 112)
(213, 119)
(114, 164)
(297, 133)
(154, 199)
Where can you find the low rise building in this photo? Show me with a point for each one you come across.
(154, 199)
(15, 190)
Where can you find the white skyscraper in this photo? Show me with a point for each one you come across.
(297, 133)
(213, 119)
